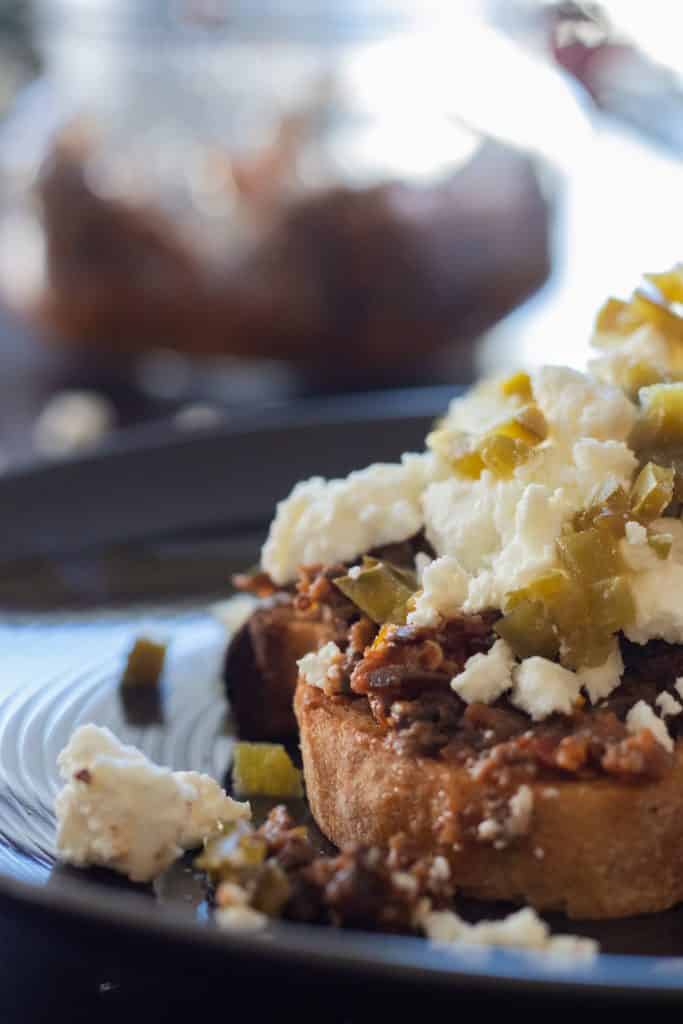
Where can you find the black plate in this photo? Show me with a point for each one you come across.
(141, 538)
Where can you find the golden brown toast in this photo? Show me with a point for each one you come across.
(596, 848)
(261, 669)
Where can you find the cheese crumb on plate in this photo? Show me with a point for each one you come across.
(523, 929)
(119, 810)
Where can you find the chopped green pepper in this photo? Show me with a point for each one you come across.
(518, 384)
(590, 555)
(380, 590)
(144, 664)
(528, 630)
(669, 283)
(264, 769)
(652, 491)
(660, 543)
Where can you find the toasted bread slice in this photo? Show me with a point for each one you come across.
(596, 848)
(261, 669)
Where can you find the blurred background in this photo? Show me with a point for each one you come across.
(208, 207)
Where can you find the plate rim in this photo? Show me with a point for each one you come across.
(410, 961)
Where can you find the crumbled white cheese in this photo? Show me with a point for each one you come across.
(541, 687)
(644, 347)
(404, 881)
(483, 592)
(480, 409)
(658, 599)
(233, 912)
(422, 560)
(240, 919)
(354, 572)
(234, 611)
(668, 705)
(502, 533)
(321, 668)
(636, 533)
(515, 820)
(444, 589)
(577, 405)
(635, 551)
(523, 929)
(656, 584)
(440, 870)
(119, 810)
(641, 716)
(594, 462)
(488, 829)
(209, 806)
(678, 687)
(326, 521)
(521, 806)
(601, 680)
(529, 549)
(486, 676)
(461, 517)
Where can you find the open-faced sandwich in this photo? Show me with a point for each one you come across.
(486, 638)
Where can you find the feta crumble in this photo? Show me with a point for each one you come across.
(635, 551)
(240, 919)
(668, 705)
(580, 406)
(326, 521)
(603, 679)
(119, 810)
(641, 716)
(636, 533)
(503, 532)
(486, 676)
(521, 806)
(658, 599)
(321, 668)
(523, 929)
(644, 347)
(541, 687)
(657, 586)
(444, 589)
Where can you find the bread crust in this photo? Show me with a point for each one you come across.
(597, 848)
(261, 669)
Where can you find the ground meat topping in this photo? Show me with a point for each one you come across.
(584, 745)
(407, 660)
(314, 586)
(404, 673)
(424, 726)
(376, 888)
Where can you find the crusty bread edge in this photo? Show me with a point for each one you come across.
(600, 848)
